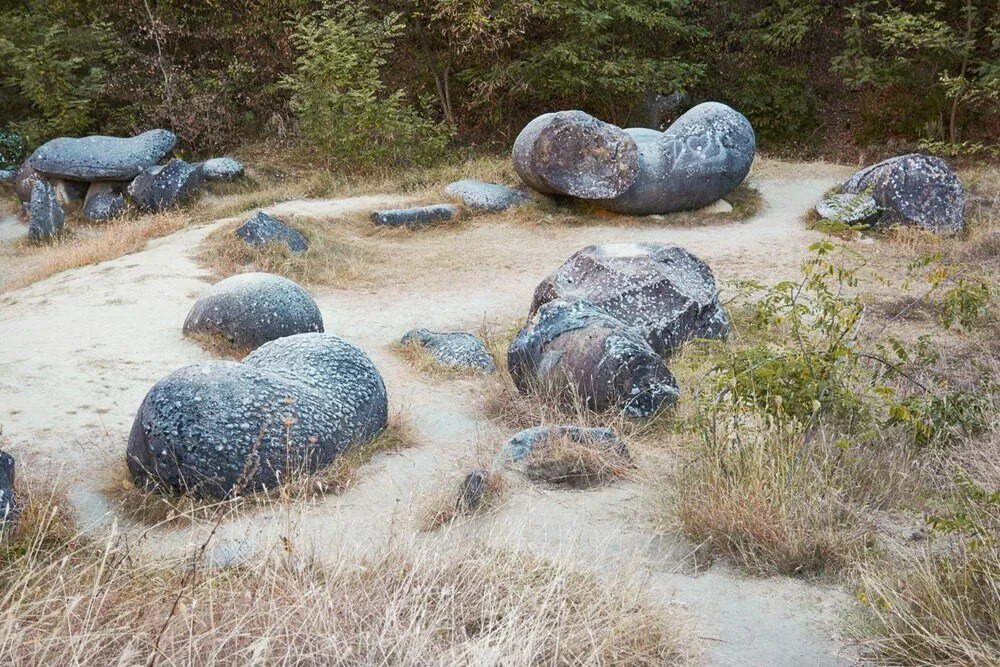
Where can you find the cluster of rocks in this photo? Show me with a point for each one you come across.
(99, 174)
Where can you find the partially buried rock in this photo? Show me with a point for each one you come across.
(481, 196)
(8, 502)
(521, 444)
(403, 217)
(914, 189)
(574, 351)
(847, 208)
(222, 169)
(292, 407)
(157, 189)
(46, 216)
(568, 454)
(251, 309)
(104, 201)
(99, 158)
(455, 350)
(262, 229)
(662, 290)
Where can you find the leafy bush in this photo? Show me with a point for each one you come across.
(12, 150)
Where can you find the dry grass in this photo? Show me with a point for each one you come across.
(424, 362)
(478, 491)
(563, 461)
(219, 346)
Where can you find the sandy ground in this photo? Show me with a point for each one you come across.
(80, 349)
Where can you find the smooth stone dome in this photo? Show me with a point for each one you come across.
(100, 158)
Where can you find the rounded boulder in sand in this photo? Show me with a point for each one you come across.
(250, 309)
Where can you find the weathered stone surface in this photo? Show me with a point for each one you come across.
(848, 208)
(8, 502)
(99, 158)
(481, 196)
(420, 215)
(46, 216)
(457, 350)
(521, 444)
(262, 229)
(294, 405)
(662, 290)
(104, 201)
(69, 194)
(573, 153)
(702, 157)
(914, 189)
(7, 175)
(222, 169)
(576, 351)
(165, 187)
(251, 309)
(24, 182)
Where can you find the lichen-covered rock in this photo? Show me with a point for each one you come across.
(99, 158)
(457, 349)
(104, 201)
(293, 406)
(8, 502)
(519, 445)
(572, 153)
(420, 215)
(481, 196)
(662, 290)
(262, 229)
(574, 351)
(222, 169)
(171, 185)
(251, 309)
(45, 216)
(848, 208)
(24, 182)
(914, 189)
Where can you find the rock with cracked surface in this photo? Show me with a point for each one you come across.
(520, 445)
(222, 169)
(169, 186)
(45, 215)
(100, 158)
(421, 215)
(482, 196)
(220, 428)
(574, 351)
(262, 229)
(661, 289)
(250, 309)
(851, 209)
(453, 349)
(915, 189)
(104, 201)
(8, 502)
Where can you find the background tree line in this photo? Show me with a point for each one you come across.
(394, 80)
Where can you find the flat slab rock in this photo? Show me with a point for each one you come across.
(482, 196)
(454, 349)
(100, 158)
(848, 208)
(262, 229)
(250, 309)
(420, 215)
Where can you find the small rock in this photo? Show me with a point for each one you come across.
(166, 187)
(457, 350)
(521, 444)
(481, 196)
(99, 158)
(262, 229)
(718, 207)
(222, 169)
(414, 216)
(104, 201)
(46, 216)
(848, 208)
(7, 175)
(473, 491)
(8, 502)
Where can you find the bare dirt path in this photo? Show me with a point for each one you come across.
(80, 349)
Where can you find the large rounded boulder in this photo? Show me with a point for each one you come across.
(100, 158)
(220, 428)
(662, 290)
(915, 189)
(250, 309)
(576, 352)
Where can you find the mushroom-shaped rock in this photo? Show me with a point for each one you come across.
(160, 188)
(262, 229)
(46, 216)
(222, 169)
(576, 351)
(8, 503)
(481, 196)
(456, 349)
(914, 189)
(660, 289)
(848, 208)
(293, 406)
(99, 158)
(402, 217)
(702, 157)
(521, 444)
(573, 153)
(104, 201)
(250, 309)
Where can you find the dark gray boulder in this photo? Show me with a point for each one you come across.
(572, 153)
(222, 169)
(667, 294)
(663, 109)
(519, 445)
(100, 158)
(262, 229)
(915, 189)
(104, 201)
(702, 157)
(70, 194)
(853, 209)
(8, 501)
(24, 181)
(293, 406)
(251, 309)
(481, 196)
(165, 187)
(45, 215)
(402, 217)
(574, 351)
(456, 350)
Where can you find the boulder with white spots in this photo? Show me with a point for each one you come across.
(100, 158)
(222, 169)
(105, 200)
(45, 216)
(459, 349)
(159, 188)
(261, 229)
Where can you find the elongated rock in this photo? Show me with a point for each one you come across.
(100, 158)
(490, 197)
(46, 216)
(8, 501)
(402, 217)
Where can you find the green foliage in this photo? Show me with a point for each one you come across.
(966, 303)
(338, 95)
(12, 150)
